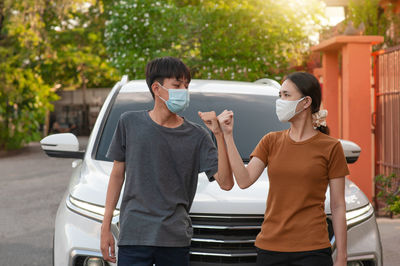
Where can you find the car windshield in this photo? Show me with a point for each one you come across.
(254, 116)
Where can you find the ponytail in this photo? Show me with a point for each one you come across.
(324, 129)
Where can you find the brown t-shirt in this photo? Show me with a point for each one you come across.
(299, 174)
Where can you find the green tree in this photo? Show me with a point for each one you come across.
(46, 45)
(376, 20)
(224, 39)
(24, 96)
(77, 58)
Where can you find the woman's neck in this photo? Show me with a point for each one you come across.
(302, 128)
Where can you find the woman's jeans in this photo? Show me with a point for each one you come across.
(319, 257)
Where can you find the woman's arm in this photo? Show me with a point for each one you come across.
(245, 176)
(338, 209)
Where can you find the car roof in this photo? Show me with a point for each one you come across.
(211, 86)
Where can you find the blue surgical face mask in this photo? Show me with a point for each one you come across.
(178, 99)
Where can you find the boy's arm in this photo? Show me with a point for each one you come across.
(224, 175)
(107, 243)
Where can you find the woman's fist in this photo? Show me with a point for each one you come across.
(226, 122)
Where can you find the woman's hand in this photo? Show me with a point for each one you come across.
(340, 262)
(211, 121)
(226, 122)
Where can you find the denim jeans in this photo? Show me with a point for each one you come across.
(319, 257)
(150, 255)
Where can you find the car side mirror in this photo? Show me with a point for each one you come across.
(63, 145)
(351, 150)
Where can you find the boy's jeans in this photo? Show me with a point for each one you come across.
(149, 255)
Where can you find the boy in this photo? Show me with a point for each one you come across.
(161, 154)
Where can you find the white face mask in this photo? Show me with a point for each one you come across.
(286, 110)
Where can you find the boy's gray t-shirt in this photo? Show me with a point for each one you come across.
(162, 166)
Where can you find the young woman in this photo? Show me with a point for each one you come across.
(301, 162)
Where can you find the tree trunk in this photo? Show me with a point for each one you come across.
(85, 115)
(2, 17)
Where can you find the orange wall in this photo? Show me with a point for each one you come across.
(347, 97)
(356, 80)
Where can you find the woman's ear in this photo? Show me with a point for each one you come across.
(307, 102)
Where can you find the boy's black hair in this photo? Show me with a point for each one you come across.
(165, 67)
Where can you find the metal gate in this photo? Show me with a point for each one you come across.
(387, 110)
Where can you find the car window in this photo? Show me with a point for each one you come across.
(254, 116)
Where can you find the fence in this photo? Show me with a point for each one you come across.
(387, 104)
(73, 115)
(387, 111)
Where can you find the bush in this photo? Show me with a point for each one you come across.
(24, 100)
(389, 192)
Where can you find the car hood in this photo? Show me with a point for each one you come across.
(90, 180)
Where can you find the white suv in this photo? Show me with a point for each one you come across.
(225, 223)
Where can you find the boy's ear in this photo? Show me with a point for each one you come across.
(155, 87)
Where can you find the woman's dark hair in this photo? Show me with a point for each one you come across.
(308, 85)
(165, 67)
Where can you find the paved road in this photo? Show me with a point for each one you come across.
(31, 186)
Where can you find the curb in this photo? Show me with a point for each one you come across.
(12, 153)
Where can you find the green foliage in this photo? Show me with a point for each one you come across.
(24, 100)
(24, 97)
(46, 45)
(78, 57)
(369, 13)
(389, 192)
(376, 20)
(224, 39)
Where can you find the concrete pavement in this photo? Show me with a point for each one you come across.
(390, 235)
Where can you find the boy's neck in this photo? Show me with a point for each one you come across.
(162, 116)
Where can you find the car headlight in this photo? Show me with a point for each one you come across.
(353, 218)
(356, 216)
(87, 209)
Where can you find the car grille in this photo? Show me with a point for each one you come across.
(227, 239)
(224, 239)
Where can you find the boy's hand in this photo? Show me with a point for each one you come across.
(226, 122)
(107, 245)
(211, 121)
